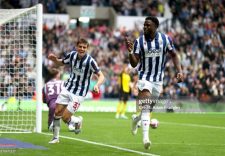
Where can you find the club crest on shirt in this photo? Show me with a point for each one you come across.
(153, 52)
(78, 71)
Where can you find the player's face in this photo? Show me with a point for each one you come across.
(82, 49)
(149, 27)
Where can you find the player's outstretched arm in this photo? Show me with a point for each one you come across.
(132, 57)
(177, 65)
(101, 79)
(55, 59)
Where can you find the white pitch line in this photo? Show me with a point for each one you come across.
(193, 125)
(191, 144)
(105, 145)
(172, 143)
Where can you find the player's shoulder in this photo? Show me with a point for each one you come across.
(162, 34)
(140, 37)
(165, 36)
(69, 53)
(91, 58)
(59, 81)
(73, 52)
(53, 81)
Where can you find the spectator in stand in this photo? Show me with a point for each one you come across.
(200, 43)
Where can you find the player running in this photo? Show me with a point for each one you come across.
(150, 51)
(76, 87)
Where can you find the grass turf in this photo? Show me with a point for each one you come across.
(177, 134)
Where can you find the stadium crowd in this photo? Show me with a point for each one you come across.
(201, 47)
(200, 42)
(17, 62)
(122, 7)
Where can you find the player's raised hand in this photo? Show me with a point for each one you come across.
(96, 89)
(180, 77)
(129, 44)
(57, 62)
(52, 57)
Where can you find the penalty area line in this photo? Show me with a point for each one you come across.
(104, 145)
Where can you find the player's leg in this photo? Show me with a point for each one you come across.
(156, 91)
(126, 96)
(74, 120)
(56, 122)
(51, 112)
(136, 123)
(70, 123)
(119, 106)
(70, 110)
(67, 116)
(74, 123)
(136, 120)
(145, 116)
(123, 116)
(118, 110)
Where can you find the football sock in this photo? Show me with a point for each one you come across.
(118, 110)
(145, 120)
(124, 109)
(56, 126)
(74, 119)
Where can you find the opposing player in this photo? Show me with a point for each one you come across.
(150, 51)
(76, 87)
(50, 93)
(124, 83)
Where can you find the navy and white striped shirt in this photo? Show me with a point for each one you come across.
(81, 71)
(152, 56)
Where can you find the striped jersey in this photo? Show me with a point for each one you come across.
(81, 71)
(152, 56)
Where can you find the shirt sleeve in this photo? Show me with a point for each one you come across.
(68, 58)
(136, 49)
(94, 67)
(170, 46)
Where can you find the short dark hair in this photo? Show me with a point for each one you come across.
(82, 40)
(154, 20)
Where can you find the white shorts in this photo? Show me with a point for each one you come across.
(155, 88)
(72, 101)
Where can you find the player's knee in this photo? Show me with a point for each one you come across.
(57, 117)
(58, 112)
(144, 93)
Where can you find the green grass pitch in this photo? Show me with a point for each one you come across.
(177, 135)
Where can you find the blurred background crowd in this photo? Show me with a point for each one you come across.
(122, 7)
(197, 30)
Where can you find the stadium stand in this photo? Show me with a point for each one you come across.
(200, 42)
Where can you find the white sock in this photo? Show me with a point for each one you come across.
(56, 126)
(145, 121)
(74, 119)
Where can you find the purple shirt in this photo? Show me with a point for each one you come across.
(51, 90)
